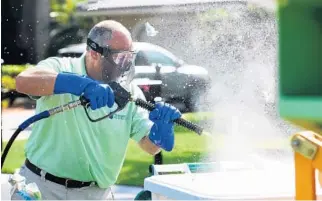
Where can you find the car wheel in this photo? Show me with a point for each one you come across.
(143, 195)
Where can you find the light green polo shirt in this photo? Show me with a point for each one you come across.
(68, 145)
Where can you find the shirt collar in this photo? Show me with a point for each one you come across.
(83, 64)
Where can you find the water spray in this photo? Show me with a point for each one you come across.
(150, 30)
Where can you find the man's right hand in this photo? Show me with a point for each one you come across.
(99, 95)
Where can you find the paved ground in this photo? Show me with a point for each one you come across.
(120, 192)
(11, 119)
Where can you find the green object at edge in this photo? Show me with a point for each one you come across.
(300, 62)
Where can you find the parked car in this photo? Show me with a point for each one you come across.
(159, 73)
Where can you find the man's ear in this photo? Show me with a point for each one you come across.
(95, 55)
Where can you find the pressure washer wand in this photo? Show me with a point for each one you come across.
(182, 122)
(122, 97)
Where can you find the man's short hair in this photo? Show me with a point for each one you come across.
(99, 35)
(102, 31)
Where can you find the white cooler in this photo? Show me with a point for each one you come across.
(276, 183)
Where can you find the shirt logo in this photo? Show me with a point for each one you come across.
(119, 117)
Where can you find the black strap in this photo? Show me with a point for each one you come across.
(68, 183)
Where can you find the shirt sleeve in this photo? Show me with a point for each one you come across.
(51, 63)
(141, 124)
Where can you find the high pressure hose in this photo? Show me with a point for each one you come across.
(21, 127)
(42, 115)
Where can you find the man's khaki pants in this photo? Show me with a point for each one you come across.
(52, 191)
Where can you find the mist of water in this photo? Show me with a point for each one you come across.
(237, 43)
(243, 95)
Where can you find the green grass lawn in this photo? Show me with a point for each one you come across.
(189, 147)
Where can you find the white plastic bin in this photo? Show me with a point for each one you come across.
(269, 184)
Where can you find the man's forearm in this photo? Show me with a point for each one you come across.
(149, 146)
(36, 82)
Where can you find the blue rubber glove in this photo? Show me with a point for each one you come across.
(99, 95)
(161, 133)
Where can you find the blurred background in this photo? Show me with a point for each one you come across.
(200, 33)
(215, 60)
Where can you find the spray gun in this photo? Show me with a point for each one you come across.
(122, 98)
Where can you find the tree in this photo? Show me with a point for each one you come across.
(62, 10)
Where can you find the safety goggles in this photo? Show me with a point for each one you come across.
(123, 59)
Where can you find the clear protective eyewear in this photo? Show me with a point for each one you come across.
(123, 59)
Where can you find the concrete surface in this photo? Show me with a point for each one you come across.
(120, 192)
(11, 119)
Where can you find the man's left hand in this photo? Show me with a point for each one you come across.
(162, 133)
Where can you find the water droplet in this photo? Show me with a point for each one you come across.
(150, 30)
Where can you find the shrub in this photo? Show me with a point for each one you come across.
(8, 81)
(8, 74)
(13, 70)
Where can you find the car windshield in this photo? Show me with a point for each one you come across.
(152, 57)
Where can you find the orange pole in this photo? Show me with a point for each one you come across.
(308, 158)
(304, 178)
(317, 162)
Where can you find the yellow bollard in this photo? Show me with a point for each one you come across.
(308, 158)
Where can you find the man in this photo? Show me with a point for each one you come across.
(68, 156)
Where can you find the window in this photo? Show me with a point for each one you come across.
(148, 58)
(141, 59)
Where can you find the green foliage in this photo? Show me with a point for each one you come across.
(8, 74)
(214, 14)
(62, 10)
(226, 13)
(12, 70)
(8, 82)
(258, 12)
